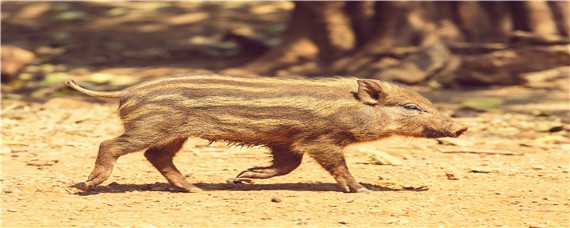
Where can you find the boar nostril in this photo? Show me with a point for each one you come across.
(460, 131)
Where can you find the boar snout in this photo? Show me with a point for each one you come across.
(453, 130)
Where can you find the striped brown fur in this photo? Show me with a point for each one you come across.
(289, 116)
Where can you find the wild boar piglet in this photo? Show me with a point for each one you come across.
(291, 117)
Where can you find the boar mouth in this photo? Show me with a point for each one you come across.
(459, 132)
(432, 133)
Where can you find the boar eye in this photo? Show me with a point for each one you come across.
(412, 107)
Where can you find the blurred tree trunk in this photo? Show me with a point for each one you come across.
(295, 45)
(379, 39)
(561, 11)
(360, 14)
(535, 17)
(329, 29)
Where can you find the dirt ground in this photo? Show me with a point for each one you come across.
(510, 169)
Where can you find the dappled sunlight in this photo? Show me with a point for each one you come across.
(276, 109)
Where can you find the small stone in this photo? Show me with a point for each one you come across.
(556, 129)
(380, 158)
(451, 176)
(535, 226)
(275, 199)
(375, 155)
(239, 181)
(342, 222)
(482, 170)
(415, 188)
(11, 210)
(537, 167)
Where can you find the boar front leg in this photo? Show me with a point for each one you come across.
(331, 158)
(284, 161)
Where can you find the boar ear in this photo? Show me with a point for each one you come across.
(369, 92)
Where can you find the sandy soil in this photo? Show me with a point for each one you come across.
(507, 173)
(510, 169)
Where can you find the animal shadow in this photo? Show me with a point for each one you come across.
(115, 187)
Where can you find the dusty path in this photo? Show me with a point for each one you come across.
(512, 169)
(48, 147)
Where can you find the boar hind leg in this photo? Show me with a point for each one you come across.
(332, 159)
(161, 158)
(109, 152)
(284, 161)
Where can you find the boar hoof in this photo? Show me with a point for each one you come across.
(356, 189)
(98, 176)
(82, 186)
(86, 186)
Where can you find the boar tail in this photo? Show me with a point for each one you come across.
(111, 94)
